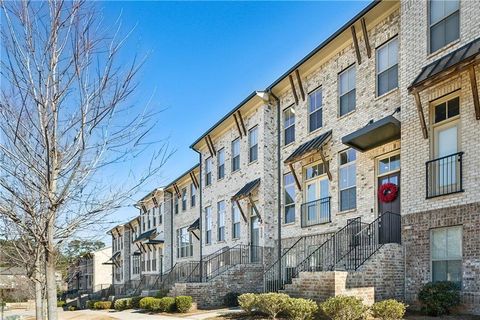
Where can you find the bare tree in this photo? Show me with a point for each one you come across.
(66, 123)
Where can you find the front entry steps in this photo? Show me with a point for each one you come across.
(380, 277)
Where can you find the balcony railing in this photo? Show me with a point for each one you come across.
(316, 212)
(444, 175)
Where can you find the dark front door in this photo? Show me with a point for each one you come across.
(386, 221)
(254, 239)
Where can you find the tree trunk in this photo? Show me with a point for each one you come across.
(38, 300)
(51, 283)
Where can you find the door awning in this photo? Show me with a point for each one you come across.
(146, 235)
(194, 226)
(312, 145)
(374, 134)
(246, 190)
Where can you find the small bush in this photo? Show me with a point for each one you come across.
(72, 308)
(161, 293)
(90, 304)
(102, 305)
(166, 304)
(147, 303)
(60, 304)
(301, 309)
(439, 298)
(123, 304)
(272, 303)
(231, 299)
(344, 308)
(183, 303)
(136, 302)
(248, 302)
(388, 310)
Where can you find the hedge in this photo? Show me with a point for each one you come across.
(183, 303)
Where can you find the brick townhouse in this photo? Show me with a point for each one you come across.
(355, 172)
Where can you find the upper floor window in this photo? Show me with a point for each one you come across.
(346, 90)
(348, 177)
(387, 67)
(184, 199)
(446, 254)
(236, 154)
(154, 215)
(175, 203)
(289, 202)
(208, 171)
(148, 218)
(221, 163)
(160, 213)
(208, 225)
(235, 221)
(253, 144)
(315, 110)
(289, 125)
(193, 193)
(221, 221)
(444, 22)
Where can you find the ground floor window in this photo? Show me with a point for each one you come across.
(446, 254)
(184, 243)
(136, 264)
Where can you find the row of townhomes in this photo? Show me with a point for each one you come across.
(355, 172)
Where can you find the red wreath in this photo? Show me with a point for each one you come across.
(387, 192)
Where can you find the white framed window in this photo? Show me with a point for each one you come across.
(288, 125)
(443, 23)
(315, 109)
(221, 164)
(446, 254)
(154, 216)
(193, 194)
(289, 202)
(175, 202)
(184, 243)
(221, 220)
(347, 90)
(208, 171)
(253, 144)
(387, 66)
(184, 199)
(236, 154)
(348, 176)
(235, 221)
(208, 225)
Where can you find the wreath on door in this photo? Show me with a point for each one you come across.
(388, 192)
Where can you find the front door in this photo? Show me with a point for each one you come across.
(318, 208)
(254, 239)
(388, 171)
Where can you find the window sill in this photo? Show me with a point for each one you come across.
(238, 170)
(288, 224)
(340, 117)
(347, 211)
(386, 94)
(315, 131)
(442, 49)
(253, 162)
(288, 145)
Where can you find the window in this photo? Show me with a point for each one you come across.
(387, 67)
(184, 243)
(136, 264)
(193, 193)
(348, 175)
(236, 154)
(160, 213)
(208, 171)
(221, 221)
(149, 264)
(154, 259)
(346, 90)
(148, 217)
(444, 22)
(208, 225)
(235, 221)
(289, 205)
(154, 217)
(315, 110)
(221, 163)
(253, 144)
(143, 221)
(446, 254)
(315, 171)
(175, 202)
(289, 125)
(184, 199)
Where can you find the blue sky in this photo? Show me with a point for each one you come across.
(206, 57)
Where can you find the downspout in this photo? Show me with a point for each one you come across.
(200, 236)
(171, 228)
(279, 189)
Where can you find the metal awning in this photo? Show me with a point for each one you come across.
(314, 144)
(154, 241)
(247, 189)
(449, 62)
(194, 226)
(146, 235)
(374, 134)
(113, 258)
(137, 253)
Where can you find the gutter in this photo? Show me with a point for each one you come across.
(200, 221)
(171, 227)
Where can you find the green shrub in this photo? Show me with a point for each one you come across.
(147, 303)
(231, 299)
(166, 304)
(344, 308)
(60, 304)
(123, 304)
(272, 303)
(388, 310)
(136, 302)
(90, 304)
(248, 302)
(301, 309)
(161, 293)
(72, 308)
(183, 303)
(102, 305)
(439, 298)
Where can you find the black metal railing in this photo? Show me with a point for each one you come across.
(187, 271)
(316, 212)
(280, 272)
(140, 286)
(444, 175)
